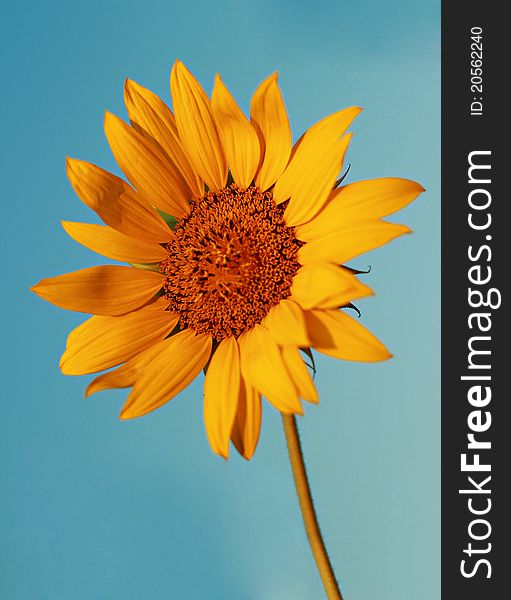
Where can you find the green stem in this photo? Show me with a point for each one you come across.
(308, 512)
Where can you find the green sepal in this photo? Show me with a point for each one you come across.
(169, 219)
(146, 266)
(312, 366)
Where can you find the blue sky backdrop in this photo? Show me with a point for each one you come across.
(93, 508)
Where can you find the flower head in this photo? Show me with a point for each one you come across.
(235, 241)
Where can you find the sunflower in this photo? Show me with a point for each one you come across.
(235, 240)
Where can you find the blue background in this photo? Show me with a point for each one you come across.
(93, 508)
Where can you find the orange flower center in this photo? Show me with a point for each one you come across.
(229, 261)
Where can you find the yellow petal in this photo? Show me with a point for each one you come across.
(337, 334)
(104, 342)
(148, 169)
(156, 306)
(286, 324)
(221, 392)
(247, 424)
(196, 126)
(152, 118)
(125, 375)
(325, 285)
(118, 204)
(238, 137)
(356, 238)
(314, 167)
(299, 374)
(263, 368)
(307, 201)
(107, 290)
(269, 116)
(362, 200)
(113, 244)
(181, 359)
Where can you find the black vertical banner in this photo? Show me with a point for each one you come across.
(476, 259)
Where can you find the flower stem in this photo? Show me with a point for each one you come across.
(308, 512)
